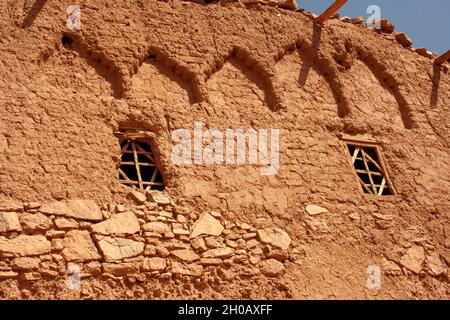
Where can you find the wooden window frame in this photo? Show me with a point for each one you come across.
(345, 142)
(133, 136)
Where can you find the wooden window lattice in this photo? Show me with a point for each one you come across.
(369, 169)
(137, 166)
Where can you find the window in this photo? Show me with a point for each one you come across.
(137, 167)
(369, 167)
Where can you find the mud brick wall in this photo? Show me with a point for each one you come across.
(161, 66)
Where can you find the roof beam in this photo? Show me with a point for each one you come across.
(443, 58)
(33, 13)
(330, 11)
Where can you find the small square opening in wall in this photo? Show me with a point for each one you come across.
(369, 167)
(137, 166)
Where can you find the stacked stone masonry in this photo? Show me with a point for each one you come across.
(149, 239)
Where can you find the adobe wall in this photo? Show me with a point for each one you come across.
(232, 66)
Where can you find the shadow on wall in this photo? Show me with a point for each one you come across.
(331, 69)
(254, 71)
(321, 64)
(306, 67)
(325, 66)
(172, 69)
(33, 12)
(188, 83)
(435, 91)
(98, 61)
(252, 77)
(387, 81)
(171, 75)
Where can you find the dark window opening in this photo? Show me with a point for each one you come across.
(137, 167)
(369, 169)
(66, 41)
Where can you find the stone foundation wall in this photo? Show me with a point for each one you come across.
(155, 238)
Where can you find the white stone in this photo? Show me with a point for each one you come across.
(78, 209)
(206, 225)
(219, 253)
(154, 264)
(185, 254)
(9, 222)
(10, 205)
(271, 267)
(158, 197)
(435, 265)
(26, 263)
(187, 270)
(158, 227)
(180, 231)
(215, 214)
(121, 223)
(413, 259)
(63, 223)
(78, 246)
(275, 237)
(137, 196)
(114, 249)
(25, 245)
(313, 209)
(35, 221)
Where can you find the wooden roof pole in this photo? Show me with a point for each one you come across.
(443, 58)
(330, 11)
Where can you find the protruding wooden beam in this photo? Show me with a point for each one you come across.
(443, 58)
(33, 12)
(330, 11)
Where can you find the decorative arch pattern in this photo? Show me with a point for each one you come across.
(98, 60)
(388, 81)
(330, 68)
(245, 61)
(182, 73)
(324, 65)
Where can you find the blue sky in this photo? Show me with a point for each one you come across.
(426, 22)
